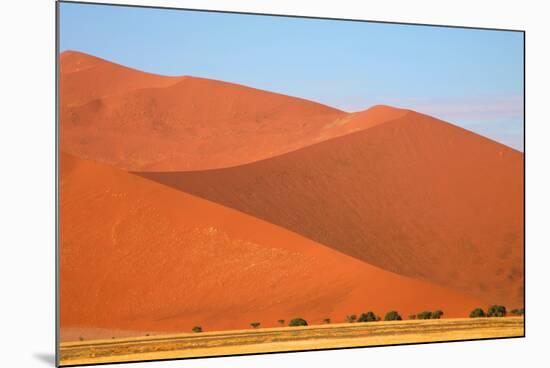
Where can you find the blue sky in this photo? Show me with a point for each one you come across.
(472, 78)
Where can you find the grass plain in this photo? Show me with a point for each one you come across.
(281, 339)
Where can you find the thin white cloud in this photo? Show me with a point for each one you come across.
(488, 108)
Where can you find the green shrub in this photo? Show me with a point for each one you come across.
(297, 322)
(477, 313)
(437, 314)
(496, 311)
(424, 315)
(255, 324)
(392, 316)
(197, 329)
(351, 318)
(518, 312)
(412, 316)
(326, 321)
(367, 317)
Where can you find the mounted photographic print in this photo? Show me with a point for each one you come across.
(233, 183)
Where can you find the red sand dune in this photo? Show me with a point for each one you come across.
(84, 78)
(144, 122)
(361, 120)
(139, 121)
(137, 255)
(415, 195)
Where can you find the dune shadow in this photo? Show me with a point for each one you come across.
(47, 358)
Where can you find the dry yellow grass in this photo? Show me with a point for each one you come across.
(287, 339)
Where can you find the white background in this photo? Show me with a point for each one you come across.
(27, 182)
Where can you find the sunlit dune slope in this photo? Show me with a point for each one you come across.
(137, 255)
(85, 78)
(139, 121)
(413, 195)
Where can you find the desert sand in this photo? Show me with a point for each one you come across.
(414, 195)
(189, 201)
(139, 256)
(138, 121)
(85, 78)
